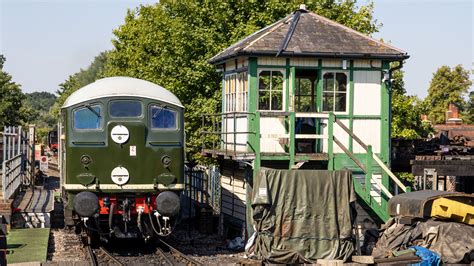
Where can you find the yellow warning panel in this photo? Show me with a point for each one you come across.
(444, 208)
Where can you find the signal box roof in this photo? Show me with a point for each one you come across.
(121, 86)
(305, 33)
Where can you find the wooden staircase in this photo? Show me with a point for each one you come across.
(372, 178)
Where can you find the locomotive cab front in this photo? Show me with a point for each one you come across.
(123, 158)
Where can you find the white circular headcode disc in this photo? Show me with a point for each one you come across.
(120, 175)
(119, 134)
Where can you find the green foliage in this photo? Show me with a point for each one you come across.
(468, 114)
(36, 108)
(79, 80)
(448, 85)
(407, 177)
(170, 42)
(406, 112)
(11, 99)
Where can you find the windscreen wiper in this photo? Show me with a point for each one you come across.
(158, 113)
(92, 110)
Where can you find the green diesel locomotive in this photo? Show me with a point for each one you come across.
(122, 158)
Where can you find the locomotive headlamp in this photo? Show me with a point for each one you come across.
(120, 175)
(86, 160)
(166, 160)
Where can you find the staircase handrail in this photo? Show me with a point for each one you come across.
(374, 156)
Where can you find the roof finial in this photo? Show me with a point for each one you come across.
(302, 7)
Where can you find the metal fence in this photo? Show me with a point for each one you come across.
(202, 189)
(14, 156)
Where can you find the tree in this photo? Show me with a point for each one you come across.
(36, 108)
(406, 112)
(170, 42)
(79, 80)
(11, 99)
(468, 114)
(448, 85)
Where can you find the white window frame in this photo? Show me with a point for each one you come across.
(334, 91)
(283, 104)
(236, 101)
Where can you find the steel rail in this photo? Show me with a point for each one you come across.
(114, 259)
(163, 255)
(181, 254)
(92, 256)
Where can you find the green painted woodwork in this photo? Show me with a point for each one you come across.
(253, 122)
(385, 127)
(292, 120)
(335, 160)
(151, 145)
(351, 103)
(368, 167)
(330, 142)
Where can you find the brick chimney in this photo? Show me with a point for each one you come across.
(452, 115)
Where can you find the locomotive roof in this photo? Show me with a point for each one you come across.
(121, 86)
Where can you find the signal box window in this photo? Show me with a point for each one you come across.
(88, 117)
(334, 92)
(270, 90)
(163, 118)
(125, 109)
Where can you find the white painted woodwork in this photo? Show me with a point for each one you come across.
(233, 194)
(230, 65)
(333, 63)
(271, 125)
(339, 133)
(375, 190)
(367, 63)
(368, 130)
(316, 115)
(242, 62)
(367, 93)
(304, 62)
(240, 126)
(271, 61)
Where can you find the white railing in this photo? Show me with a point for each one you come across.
(15, 148)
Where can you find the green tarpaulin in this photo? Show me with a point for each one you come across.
(302, 215)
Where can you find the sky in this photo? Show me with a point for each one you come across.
(45, 41)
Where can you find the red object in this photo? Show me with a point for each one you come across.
(43, 159)
(139, 202)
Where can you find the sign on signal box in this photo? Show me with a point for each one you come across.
(43, 163)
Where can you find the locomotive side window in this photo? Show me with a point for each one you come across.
(163, 118)
(125, 109)
(88, 117)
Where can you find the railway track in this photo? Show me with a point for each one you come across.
(172, 256)
(101, 256)
(165, 253)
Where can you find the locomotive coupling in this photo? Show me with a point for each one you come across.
(86, 204)
(167, 203)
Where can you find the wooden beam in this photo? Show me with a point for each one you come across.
(350, 154)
